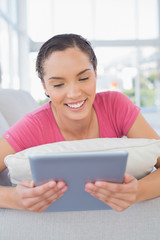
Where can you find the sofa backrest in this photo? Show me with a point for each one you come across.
(3, 124)
(14, 104)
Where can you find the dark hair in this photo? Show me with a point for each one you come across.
(60, 43)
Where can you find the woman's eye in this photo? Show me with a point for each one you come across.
(58, 85)
(83, 79)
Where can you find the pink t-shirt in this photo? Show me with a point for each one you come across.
(115, 112)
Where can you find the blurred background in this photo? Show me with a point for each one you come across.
(125, 35)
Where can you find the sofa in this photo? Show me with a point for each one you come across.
(139, 222)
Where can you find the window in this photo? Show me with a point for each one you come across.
(39, 19)
(147, 19)
(73, 17)
(13, 44)
(117, 69)
(115, 19)
(4, 54)
(4, 6)
(149, 77)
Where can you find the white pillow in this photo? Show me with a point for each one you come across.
(3, 125)
(143, 154)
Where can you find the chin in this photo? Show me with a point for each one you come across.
(77, 116)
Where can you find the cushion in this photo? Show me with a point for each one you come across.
(3, 125)
(20, 102)
(143, 154)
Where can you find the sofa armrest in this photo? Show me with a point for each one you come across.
(139, 222)
(4, 179)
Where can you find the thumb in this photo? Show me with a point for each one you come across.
(128, 178)
(28, 183)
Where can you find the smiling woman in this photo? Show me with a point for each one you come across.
(67, 67)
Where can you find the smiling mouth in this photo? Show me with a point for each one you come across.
(76, 105)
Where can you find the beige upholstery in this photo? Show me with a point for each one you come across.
(3, 124)
(15, 103)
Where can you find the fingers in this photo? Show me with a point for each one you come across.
(39, 206)
(40, 190)
(112, 187)
(128, 178)
(27, 183)
(108, 195)
(31, 191)
(116, 207)
(116, 204)
(118, 196)
(39, 198)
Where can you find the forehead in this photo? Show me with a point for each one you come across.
(69, 58)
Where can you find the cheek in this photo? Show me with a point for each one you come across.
(57, 96)
(91, 88)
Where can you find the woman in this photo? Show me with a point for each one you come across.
(67, 67)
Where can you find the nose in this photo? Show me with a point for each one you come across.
(73, 91)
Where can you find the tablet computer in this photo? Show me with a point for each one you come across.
(76, 169)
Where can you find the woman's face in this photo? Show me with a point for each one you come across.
(70, 81)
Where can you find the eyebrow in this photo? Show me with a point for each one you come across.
(87, 69)
(61, 78)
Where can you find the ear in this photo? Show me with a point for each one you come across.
(95, 73)
(45, 89)
(43, 84)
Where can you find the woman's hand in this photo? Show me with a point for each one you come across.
(117, 196)
(36, 199)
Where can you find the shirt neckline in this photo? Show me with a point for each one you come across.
(95, 106)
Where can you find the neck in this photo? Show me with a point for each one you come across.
(78, 129)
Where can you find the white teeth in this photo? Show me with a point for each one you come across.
(76, 105)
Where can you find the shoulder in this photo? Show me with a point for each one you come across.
(114, 102)
(41, 112)
(110, 96)
(41, 109)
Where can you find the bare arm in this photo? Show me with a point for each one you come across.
(141, 129)
(5, 149)
(149, 185)
(25, 195)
